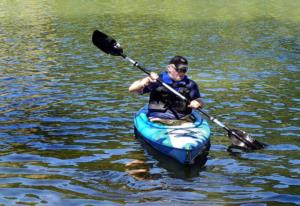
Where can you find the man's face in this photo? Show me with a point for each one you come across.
(175, 75)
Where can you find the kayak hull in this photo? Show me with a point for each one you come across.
(183, 142)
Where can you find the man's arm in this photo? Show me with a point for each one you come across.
(139, 85)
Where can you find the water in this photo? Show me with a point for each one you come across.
(66, 117)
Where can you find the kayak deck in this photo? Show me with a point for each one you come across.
(182, 142)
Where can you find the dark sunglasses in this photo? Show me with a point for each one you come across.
(182, 70)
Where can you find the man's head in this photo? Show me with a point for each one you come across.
(177, 67)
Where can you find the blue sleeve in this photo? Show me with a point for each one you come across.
(194, 93)
(150, 87)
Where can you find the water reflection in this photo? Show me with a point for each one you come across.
(162, 163)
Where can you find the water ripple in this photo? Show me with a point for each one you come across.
(66, 117)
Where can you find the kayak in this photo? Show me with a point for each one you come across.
(184, 142)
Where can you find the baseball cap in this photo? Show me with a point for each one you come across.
(180, 62)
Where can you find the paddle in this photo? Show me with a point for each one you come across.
(239, 139)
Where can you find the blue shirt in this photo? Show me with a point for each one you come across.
(185, 82)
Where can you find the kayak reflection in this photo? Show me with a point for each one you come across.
(140, 170)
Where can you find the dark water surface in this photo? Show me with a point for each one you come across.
(66, 117)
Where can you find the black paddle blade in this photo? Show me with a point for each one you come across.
(106, 44)
(242, 140)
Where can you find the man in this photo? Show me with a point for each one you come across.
(163, 103)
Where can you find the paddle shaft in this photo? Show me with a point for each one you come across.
(136, 64)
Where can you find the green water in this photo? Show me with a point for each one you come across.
(66, 117)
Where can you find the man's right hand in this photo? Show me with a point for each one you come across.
(139, 85)
(150, 79)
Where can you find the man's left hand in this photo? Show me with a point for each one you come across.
(195, 104)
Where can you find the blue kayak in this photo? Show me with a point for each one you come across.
(183, 142)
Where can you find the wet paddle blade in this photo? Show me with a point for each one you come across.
(241, 140)
(106, 44)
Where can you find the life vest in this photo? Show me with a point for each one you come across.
(161, 99)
